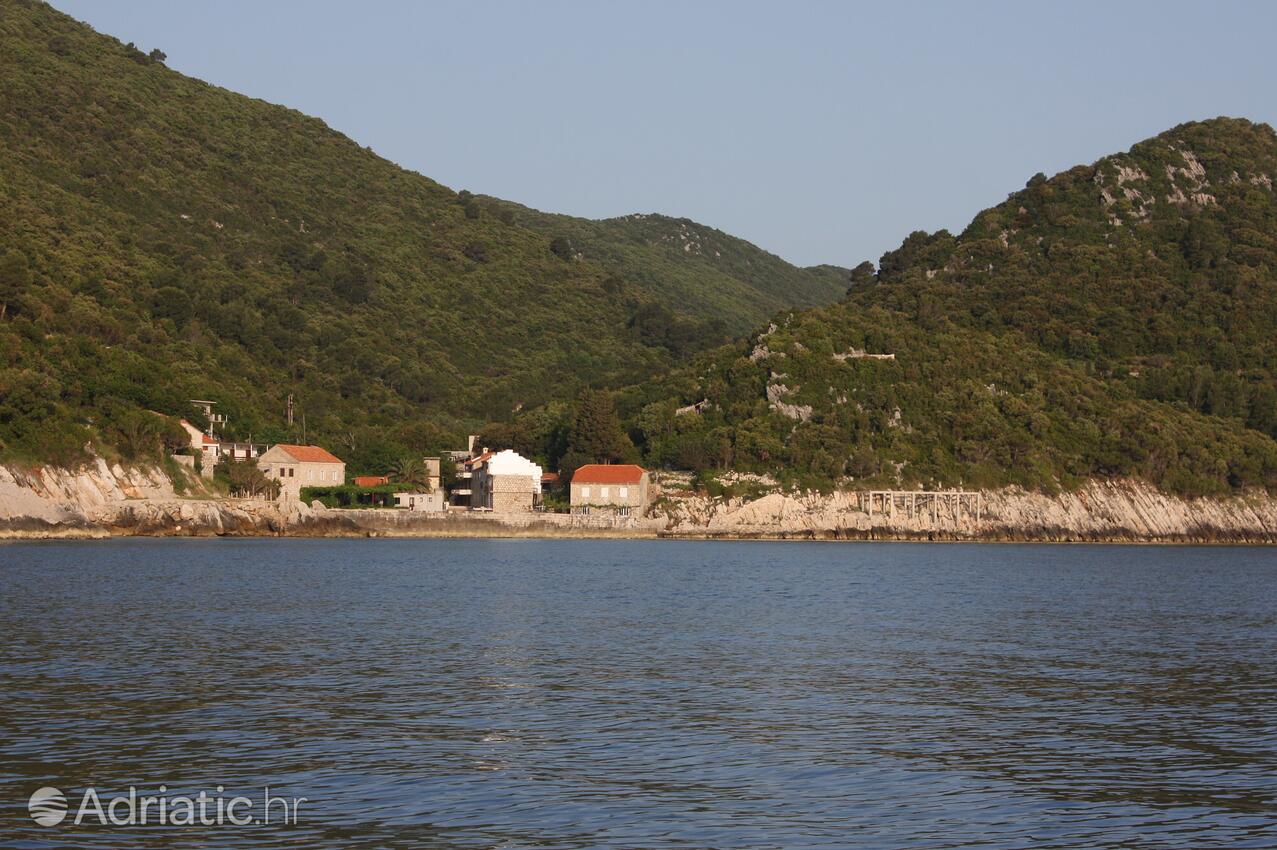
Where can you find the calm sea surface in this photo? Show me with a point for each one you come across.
(584, 694)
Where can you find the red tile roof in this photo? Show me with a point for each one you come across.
(371, 480)
(310, 454)
(207, 440)
(608, 473)
(549, 477)
(475, 461)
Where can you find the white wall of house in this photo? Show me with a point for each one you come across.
(431, 502)
(502, 481)
(512, 463)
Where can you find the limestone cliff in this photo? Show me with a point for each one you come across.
(1120, 510)
(105, 499)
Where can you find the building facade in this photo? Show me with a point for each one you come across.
(212, 451)
(617, 488)
(204, 447)
(429, 502)
(504, 482)
(296, 467)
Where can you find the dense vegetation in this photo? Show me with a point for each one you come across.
(707, 271)
(1118, 319)
(162, 239)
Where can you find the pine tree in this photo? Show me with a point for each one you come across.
(596, 434)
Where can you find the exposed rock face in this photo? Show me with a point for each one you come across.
(105, 500)
(1111, 510)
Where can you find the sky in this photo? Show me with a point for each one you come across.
(824, 132)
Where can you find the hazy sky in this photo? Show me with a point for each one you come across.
(824, 132)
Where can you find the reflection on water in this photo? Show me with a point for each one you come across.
(648, 694)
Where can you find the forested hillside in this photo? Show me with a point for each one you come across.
(1117, 319)
(162, 239)
(680, 261)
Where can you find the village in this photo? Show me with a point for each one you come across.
(475, 478)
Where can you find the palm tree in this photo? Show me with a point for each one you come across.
(411, 470)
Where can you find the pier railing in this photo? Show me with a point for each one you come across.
(923, 503)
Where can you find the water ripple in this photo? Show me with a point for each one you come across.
(579, 694)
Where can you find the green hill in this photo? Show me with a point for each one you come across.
(1117, 319)
(163, 239)
(707, 271)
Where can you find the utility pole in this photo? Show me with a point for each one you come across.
(290, 409)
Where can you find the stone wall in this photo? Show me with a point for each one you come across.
(511, 493)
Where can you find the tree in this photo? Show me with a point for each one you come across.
(411, 470)
(15, 277)
(596, 433)
(861, 275)
(561, 247)
(169, 302)
(245, 480)
(354, 283)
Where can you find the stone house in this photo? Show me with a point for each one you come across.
(206, 448)
(296, 467)
(618, 488)
(211, 450)
(504, 482)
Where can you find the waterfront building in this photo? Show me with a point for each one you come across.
(617, 488)
(296, 467)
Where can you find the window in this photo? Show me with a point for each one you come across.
(585, 492)
(623, 510)
(625, 493)
(602, 492)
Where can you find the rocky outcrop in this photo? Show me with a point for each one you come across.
(1115, 511)
(104, 500)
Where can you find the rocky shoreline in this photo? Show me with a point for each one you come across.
(110, 501)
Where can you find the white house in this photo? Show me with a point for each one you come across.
(431, 502)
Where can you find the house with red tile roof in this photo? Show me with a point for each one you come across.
(617, 488)
(296, 467)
